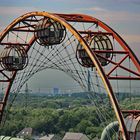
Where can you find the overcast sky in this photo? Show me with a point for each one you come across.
(121, 15)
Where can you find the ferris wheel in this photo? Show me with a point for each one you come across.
(73, 44)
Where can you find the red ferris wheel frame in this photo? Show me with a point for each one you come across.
(64, 19)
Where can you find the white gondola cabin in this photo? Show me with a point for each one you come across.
(102, 47)
(133, 127)
(49, 32)
(14, 57)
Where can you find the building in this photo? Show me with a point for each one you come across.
(55, 91)
(26, 132)
(50, 137)
(75, 136)
(9, 138)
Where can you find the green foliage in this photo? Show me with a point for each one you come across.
(57, 115)
(49, 120)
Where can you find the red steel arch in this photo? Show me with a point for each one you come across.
(86, 18)
(64, 19)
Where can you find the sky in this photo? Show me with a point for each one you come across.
(122, 15)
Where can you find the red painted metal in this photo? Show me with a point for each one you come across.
(112, 51)
(81, 18)
(23, 30)
(10, 82)
(5, 80)
(123, 78)
(117, 65)
(4, 75)
(12, 43)
(5, 98)
(86, 18)
(95, 33)
(24, 27)
(76, 18)
(123, 44)
(134, 112)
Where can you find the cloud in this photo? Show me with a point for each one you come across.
(112, 15)
(136, 2)
(133, 41)
(131, 38)
(120, 16)
(136, 48)
(7, 10)
(96, 9)
(2, 28)
(8, 13)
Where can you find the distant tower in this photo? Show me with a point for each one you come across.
(27, 91)
(39, 90)
(89, 84)
(55, 91)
